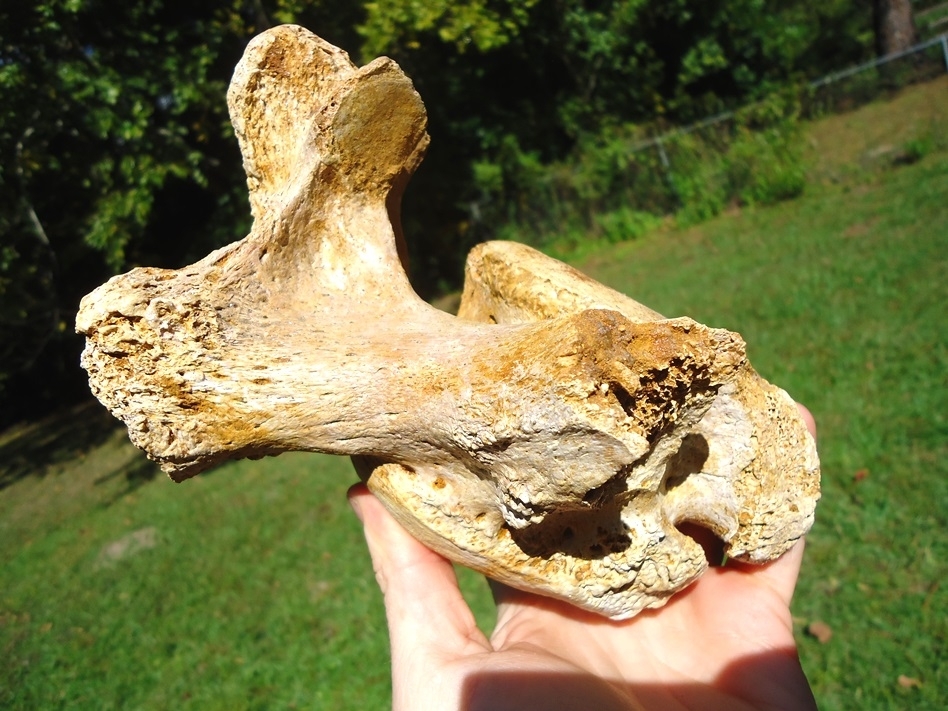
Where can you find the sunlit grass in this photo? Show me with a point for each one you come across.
(255, 592)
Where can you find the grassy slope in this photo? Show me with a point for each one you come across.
(250, 588)
(841, 296)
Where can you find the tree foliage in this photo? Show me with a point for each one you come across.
(516, 84)
(116, 150)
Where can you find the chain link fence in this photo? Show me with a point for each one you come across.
(620, 185)
(834, 93)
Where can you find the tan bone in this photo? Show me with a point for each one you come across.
(553, 436)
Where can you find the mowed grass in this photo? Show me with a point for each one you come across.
(245, 588)
(250, 587)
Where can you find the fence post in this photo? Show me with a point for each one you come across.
(662, 154)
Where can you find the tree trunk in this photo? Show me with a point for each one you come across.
(895, 26)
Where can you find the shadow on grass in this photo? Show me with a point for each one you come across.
(136, 472)
(767, 680)
(39, 448)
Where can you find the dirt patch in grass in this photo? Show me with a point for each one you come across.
(128, 545)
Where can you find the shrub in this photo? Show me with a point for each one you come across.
(626, 224)
(764, 167)
(616, 185)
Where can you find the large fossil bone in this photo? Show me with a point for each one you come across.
(552, 436)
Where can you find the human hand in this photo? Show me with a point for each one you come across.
(724, 643)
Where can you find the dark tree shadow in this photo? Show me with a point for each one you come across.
(38, 448)
(136, 472)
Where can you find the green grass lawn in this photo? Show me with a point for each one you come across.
(249, 587)
(245, 588)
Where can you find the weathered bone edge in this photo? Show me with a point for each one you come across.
(553, 435)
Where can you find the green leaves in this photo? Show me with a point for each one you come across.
(403, 24)
(706, 57)
(106, 107)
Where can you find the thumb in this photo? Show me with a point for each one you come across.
(425, 609)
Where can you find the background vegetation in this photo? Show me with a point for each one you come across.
(250, 587)
(116, 151)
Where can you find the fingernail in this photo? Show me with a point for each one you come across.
(356, 508)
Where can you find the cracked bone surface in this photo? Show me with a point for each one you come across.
(553, 435)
